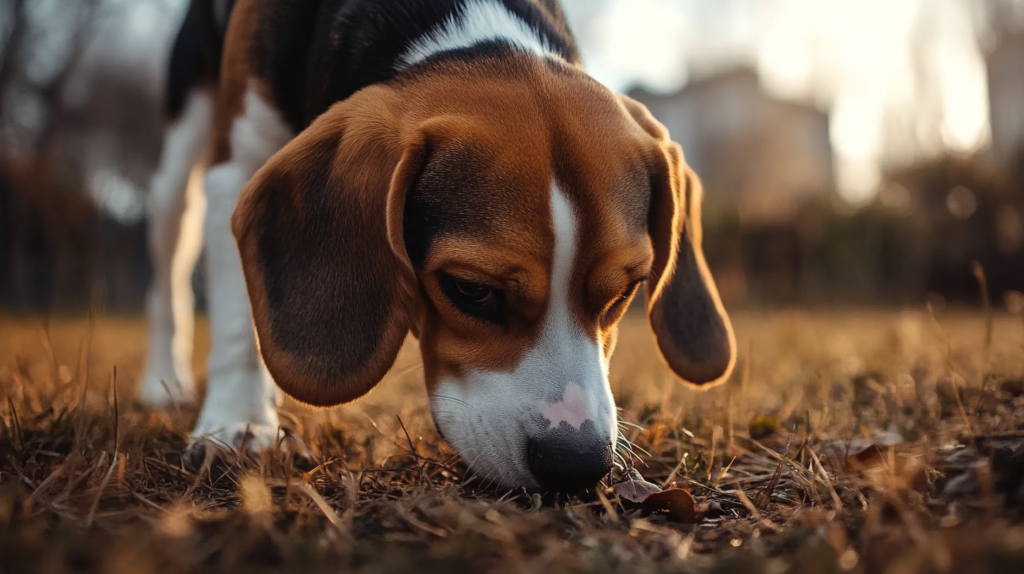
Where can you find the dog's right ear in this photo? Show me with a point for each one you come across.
(319, 231)
(690, 324)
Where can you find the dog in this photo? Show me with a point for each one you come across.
(445, 168)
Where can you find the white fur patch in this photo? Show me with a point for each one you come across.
(479, 21)
(258, 134)
(489, 416)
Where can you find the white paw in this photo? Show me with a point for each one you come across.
(236, 436)
(210, 446)
(161, 390)
(240, 410)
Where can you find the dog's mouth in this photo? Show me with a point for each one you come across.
(531, 456)
(552, 468)
(530, 429)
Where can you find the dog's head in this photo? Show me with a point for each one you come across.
(507, 222)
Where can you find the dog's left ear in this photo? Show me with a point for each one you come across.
(319, 232)
(692, 328)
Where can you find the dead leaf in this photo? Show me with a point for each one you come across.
(635, 491)
(677, 503)
(870, 457)
(862, 453)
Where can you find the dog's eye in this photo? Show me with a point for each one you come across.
(474, 299)
(625, 296)
(475, 293)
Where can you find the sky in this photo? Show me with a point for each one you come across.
(901, 79)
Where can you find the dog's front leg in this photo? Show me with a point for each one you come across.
(241, 401)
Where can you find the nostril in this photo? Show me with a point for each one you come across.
(531, 452)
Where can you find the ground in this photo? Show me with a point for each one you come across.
(863, 441)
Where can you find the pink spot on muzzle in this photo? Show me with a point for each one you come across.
(573, 409)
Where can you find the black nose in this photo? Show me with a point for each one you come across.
(568, 462)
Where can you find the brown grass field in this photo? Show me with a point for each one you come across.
(888, 442)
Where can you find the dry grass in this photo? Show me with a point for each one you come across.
(864, 442)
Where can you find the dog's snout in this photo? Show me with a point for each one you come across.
(568, 461)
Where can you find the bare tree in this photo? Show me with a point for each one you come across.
(44, 45)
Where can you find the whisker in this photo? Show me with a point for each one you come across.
(491, 478)
(630, 446)
(453, 399)
(625, 447)
(624, 444)
(621, 459)
(627, 459)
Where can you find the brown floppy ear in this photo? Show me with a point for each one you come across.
(692, 328)
(319, 231)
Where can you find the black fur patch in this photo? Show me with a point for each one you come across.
(314, 53)
(195, 57)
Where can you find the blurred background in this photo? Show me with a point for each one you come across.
(854, 152)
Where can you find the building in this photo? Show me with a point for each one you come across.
(1005, 64)
(760, 153)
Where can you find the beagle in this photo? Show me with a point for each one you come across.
(439, 167)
